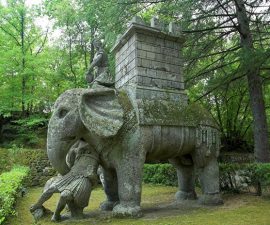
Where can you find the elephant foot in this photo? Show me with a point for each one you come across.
(34, 207)
(182, 196)
(108, 205)
(77, 215)
(122, 211)
(38, 212)
(211, 199)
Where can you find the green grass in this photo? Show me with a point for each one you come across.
(156, 203)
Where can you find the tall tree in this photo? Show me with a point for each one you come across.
(23, 43)
(229, 35)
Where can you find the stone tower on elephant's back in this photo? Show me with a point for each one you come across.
(148, 61)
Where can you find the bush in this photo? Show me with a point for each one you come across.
(238, 177)
(5, 162)
(29, 131)
(233, 177)
(10, 183)
(25, 157)
(160, 174)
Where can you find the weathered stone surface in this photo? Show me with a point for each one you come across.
(145, 119)
(100, 62)
(149, 52)
(75, 186)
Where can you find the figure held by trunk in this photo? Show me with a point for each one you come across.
(74, 187)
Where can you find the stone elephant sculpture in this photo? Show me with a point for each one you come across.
(108, 121)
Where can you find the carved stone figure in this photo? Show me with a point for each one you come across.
(107, 119)
(101, 76)
(76, 185)
(146, 118)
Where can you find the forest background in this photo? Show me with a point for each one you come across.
(46, 47)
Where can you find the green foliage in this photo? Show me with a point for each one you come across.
(160, 174)
(10, 183)
(27, 132)
(5, 162)
(25, 157)
(252, 173)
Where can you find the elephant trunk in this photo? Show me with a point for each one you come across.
(57, 149)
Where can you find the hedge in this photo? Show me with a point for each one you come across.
(233, 177)
(160, 174)
(10, 183)
(5, 162)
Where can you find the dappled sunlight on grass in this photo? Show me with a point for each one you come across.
(156, 203)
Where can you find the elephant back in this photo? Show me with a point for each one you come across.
(165, 112)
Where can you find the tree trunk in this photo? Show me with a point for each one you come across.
(260, 130)
(23, 63)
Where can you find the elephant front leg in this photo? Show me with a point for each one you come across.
(129, 176)
(209, 178)
(111, 190)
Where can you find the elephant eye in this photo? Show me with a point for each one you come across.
(62, 113)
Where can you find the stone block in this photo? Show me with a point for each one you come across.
(133, 47)
(146, 63)
(150, 39)
(142, 54)
(136, 19)
(150, 55)
(140, 71)
(173, 68)
(140, 80)
(131, 40)
(160, 42)
(148, 47)
(177, 45)
(139, 62)
(151, 73)
(146, 81)
(156, 49)
(159, 57)
(138, 45)
(169, 44)
(131, 65)
(174, 29)
(131, 56)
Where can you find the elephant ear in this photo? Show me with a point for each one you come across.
(101, 112)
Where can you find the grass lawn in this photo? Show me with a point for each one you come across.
(241, 209)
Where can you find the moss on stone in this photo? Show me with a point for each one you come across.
(173, 113)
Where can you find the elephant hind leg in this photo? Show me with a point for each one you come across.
(186, 179)
(209, 179)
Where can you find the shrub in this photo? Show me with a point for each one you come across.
(29, 131)
(25, 157)
(10, 183)
(237, 177)
(5, 162)
(233, 177)
(160, 174)
(37, 161)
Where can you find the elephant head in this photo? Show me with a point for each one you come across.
(96, 112)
